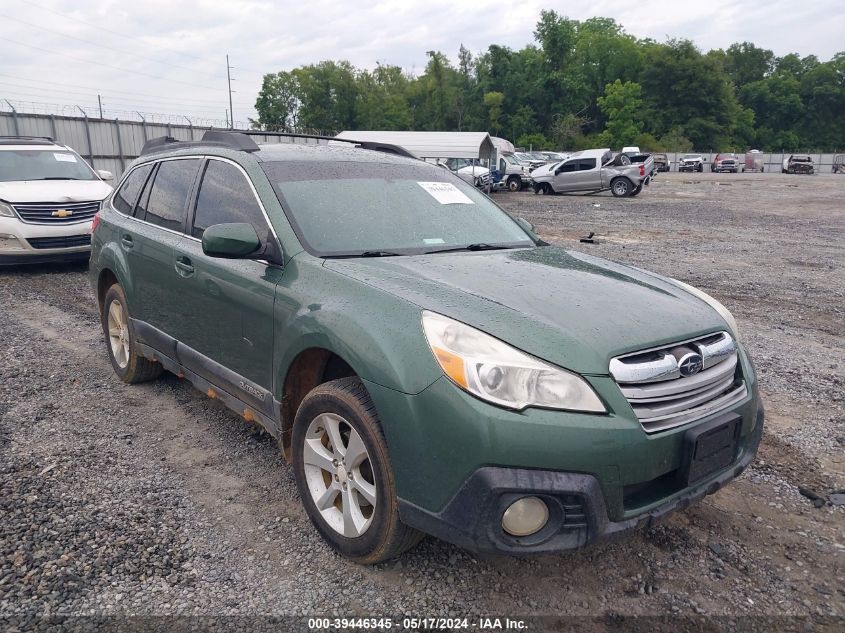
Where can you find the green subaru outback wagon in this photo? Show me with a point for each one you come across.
(427, 364)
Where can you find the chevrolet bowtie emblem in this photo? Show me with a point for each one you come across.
(62, 213)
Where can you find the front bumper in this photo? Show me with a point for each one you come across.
(23, 243)
(578, 513)
(441, 437)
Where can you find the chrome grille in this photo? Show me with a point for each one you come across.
(56, 212)
(662, 397)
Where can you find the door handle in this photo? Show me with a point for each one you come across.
(183, 266)
(126, 240)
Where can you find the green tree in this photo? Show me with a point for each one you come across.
(493, 102)
(329, 95)
(278, 102)
(622, 107)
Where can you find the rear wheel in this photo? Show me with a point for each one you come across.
(344, 475)
(636, 190)
(621, 187)
(129, 366)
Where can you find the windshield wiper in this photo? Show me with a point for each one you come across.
(378, 254)
(363, 254)
(478, 246)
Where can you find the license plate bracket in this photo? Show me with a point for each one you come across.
(710, 447)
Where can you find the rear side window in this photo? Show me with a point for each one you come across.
(586, 164)
(226, 196)
(169, 193)
(126, 197)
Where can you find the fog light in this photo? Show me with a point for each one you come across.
(10, 242)
(525, 516)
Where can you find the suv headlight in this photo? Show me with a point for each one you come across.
(6, 211)
(498, 373)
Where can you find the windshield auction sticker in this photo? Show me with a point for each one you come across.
(64, 158)
(445, 193)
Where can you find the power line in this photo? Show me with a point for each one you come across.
(101, 64)
(126, 92)
(127, 104)
(113, 94)
(110, 48)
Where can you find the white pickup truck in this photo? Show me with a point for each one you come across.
(593, 170)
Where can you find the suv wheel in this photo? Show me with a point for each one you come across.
(344, 476)
(129, 366)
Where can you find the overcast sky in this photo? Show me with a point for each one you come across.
(158, 56)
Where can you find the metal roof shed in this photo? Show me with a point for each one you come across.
(431, 144)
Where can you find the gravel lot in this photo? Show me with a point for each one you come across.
(153, 499)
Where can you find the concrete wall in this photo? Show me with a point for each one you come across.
(109, 143)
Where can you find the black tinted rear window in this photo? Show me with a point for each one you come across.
(169, 194)
(126, 197)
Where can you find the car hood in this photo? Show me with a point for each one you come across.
(571, 309)
(473, 171)
(54, 191)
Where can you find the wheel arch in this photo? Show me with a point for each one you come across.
(311, 367)
(111, 266)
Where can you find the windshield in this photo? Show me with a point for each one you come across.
(41, 164)
(511, 160)
(691, 156)
(376, 209)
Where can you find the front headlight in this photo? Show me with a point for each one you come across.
(498, 373)
(6, 211)
(713, 303)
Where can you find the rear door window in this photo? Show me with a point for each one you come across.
(225, 195)
(169, 193)
(127, 196)
(586, 164)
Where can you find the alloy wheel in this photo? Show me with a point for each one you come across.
(339, 475)
(118, 334)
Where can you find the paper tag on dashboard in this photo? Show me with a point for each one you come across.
(64, 158)
(445, 193)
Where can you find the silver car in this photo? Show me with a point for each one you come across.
(594, 170)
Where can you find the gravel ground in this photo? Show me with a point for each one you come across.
(154, 500)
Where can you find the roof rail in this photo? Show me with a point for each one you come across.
(212, 138)
(371, 145)
(235, 140)
(27, 140)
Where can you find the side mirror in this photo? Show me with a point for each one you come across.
(236, 240)
(105, 174)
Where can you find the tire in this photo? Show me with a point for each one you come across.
(700, 169)
(129, 366)
(636, 190)
(543, 189)
(349, 521)
(621, 187)
(514, 184)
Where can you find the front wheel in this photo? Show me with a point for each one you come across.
(344, 476)
(514, 184)
(621, 187)
(129, 366)
(543, 189)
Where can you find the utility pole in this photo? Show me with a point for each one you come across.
(229, 80)
(100, 102)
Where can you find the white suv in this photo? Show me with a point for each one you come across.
(48, 198)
